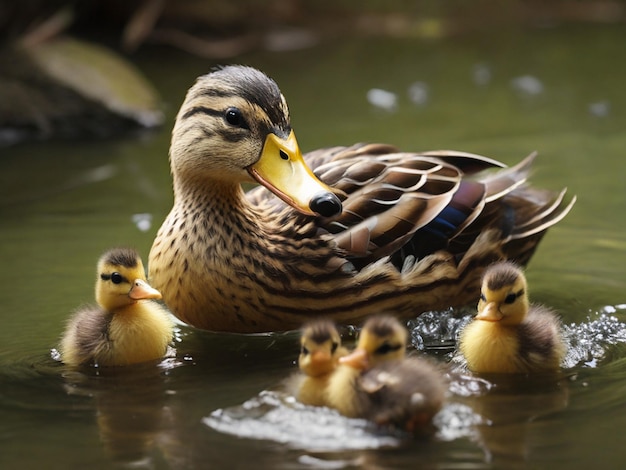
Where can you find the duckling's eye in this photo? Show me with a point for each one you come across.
(234, 117)
(386, 348)
(509, 299)
(482, 297)
(334, 347)
(304, 351)
(116, 278)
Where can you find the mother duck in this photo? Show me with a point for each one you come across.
(369, 229)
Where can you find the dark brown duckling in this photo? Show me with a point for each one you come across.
(379, 383)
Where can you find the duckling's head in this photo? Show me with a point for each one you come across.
(504, 295)
(320, 348)
(233, 127)
(122, 280)
(382, 338)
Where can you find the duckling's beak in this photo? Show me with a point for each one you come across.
(490, 313)
(282, 170)
(142, 290)
(320, 357)
(358, 359)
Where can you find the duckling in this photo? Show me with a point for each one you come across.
(319, 355)
(509, 335)
(378, 382)
(382, 338)
(405, 394)
(125, 327)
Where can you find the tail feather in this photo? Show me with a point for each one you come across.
(505, 181)
(545, 217)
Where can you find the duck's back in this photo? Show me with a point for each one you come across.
(540, 340)
(85, 337)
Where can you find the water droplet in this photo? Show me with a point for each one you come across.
(383, 99)
(527, 85)
(481, 74)
(419, 93)
(599, 108)
(143, 221)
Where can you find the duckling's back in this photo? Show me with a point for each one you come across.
(85, 337)
(542, 347)
(406, 394)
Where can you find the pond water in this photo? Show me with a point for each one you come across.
(213, 403)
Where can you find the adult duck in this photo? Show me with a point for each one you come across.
(370, 229)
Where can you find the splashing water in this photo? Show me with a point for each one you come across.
(456, 421)
(437, 330)
(590, 342)
(279, 417)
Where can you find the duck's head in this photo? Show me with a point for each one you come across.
(382, 338)
(234, 126)
(503, 295)
(320, 348)
(122, 280)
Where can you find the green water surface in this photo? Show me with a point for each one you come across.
(63, 203)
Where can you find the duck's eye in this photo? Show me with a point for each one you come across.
(117, 278)
(386, 348)
(234, 117)
(334, 347)
(509, 299)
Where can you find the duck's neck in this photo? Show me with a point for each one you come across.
(219, 261)
(223, 219)
(211, 195)
(209, 243)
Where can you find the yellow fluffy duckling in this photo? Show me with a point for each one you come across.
(379, 383)
(508, 335)
(125, 327)
(320, 350)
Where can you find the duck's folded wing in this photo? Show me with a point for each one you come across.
(409, 205)
(388, 197)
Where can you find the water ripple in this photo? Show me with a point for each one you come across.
(278, 417)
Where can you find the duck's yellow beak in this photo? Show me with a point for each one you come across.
(357, 359)
(142, 290)
(490, 313)
(282, 170)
